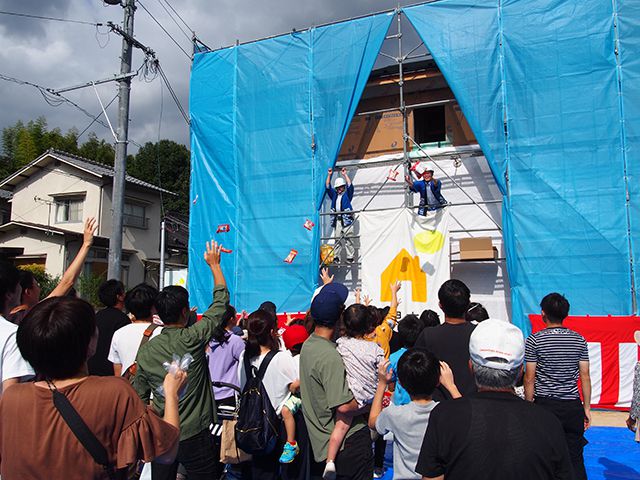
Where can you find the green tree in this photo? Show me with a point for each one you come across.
(26, 149)
(166, 164)
(97, 150)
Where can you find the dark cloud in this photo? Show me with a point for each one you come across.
(19, 27)
(56, 55)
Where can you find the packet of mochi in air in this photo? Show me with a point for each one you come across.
(291, 256)
(223, 228)
(393, 174)
(308, 224)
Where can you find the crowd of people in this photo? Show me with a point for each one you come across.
(88, 395)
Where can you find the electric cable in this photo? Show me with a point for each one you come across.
(173, 93)
(174, 20)
(40, 17)
(164, 29)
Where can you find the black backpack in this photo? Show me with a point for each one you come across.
(257, 425)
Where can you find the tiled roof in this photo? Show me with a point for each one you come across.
(90, 166)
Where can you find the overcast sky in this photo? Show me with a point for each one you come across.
(56, 55)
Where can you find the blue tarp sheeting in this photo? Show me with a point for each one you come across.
(267, 120)
(557, 114)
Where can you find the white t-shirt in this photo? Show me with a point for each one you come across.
(12, 365)
(279, 375)
(126, 342)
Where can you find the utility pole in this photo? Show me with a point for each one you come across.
(120, 165)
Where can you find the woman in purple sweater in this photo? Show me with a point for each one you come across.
(224, 352)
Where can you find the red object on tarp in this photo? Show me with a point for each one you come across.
(224, 228)
(613, 354)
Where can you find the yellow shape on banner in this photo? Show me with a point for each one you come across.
(429, 241)
(404, 267)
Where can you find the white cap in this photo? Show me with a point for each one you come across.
(339, 182)
(497, 344)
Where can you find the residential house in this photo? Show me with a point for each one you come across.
(53, 195)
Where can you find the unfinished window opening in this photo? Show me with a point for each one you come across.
(429, 125)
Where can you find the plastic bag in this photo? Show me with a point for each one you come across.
(177, 363)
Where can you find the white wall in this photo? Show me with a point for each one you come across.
(38, 243)
(52, 180)
(488, 281)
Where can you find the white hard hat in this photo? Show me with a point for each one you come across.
(339, 183)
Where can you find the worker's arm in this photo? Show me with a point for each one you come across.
(117, 369)
(345, 175)
(327, 183)
(585, 382)
(72, 273)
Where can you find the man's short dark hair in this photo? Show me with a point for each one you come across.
(26, 279)
(555, 307)
(9, 279)
(429, 318)
(409, 328)
(140, 299)
(418, 372)
(109, 291)
(476, 313)
(54, 336)
(454, 298)
(170, 303)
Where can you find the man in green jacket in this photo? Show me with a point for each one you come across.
(196, 450)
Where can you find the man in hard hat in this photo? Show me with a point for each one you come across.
(341, 195)
(428, 187)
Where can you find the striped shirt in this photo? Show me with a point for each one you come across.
(557, 352)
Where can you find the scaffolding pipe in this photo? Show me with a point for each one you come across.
(435, 103)
(385, 209)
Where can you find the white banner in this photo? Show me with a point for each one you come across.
(399, 245)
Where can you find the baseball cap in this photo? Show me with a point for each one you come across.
(294, 335)
(327, 304)
(497, 344)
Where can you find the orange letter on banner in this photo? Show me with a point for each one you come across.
(404, 268)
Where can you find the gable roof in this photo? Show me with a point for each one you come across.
(88, 166)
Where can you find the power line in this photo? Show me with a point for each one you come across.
(173, 93)
(40, 17)
(164, 29)
(178, 15)
(174, 20)
(55, 100)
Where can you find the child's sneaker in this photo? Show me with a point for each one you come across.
(289, 452)
(329, 471)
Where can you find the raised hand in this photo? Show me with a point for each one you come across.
(325, 277)
(385, 372)
(212, 254)
(90, 227)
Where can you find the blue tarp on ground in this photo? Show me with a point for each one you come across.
(557, 114)
(268, 119)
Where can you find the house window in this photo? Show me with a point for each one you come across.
(429, 125)
(69, 210)
(135, 215)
